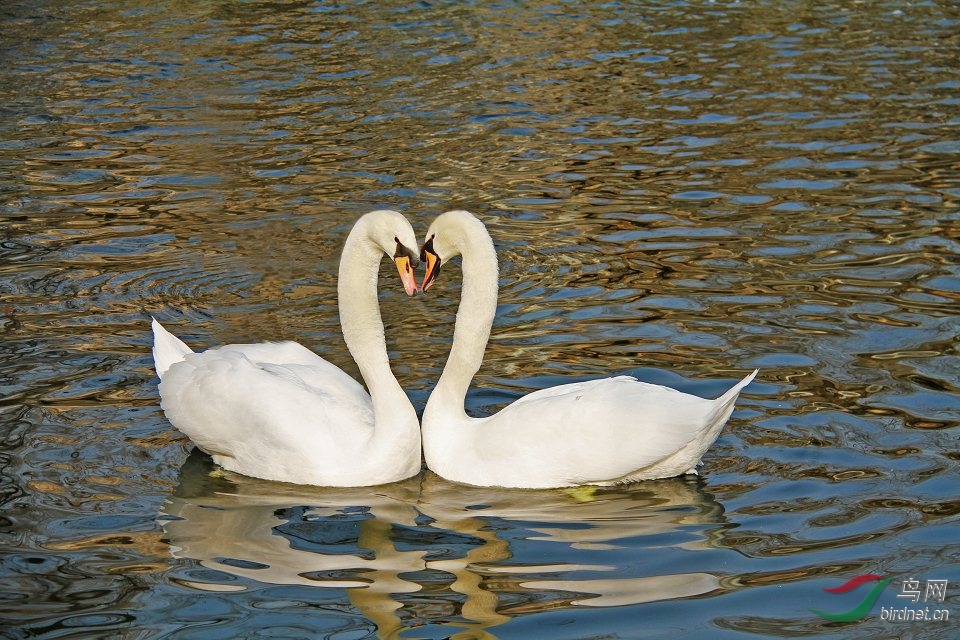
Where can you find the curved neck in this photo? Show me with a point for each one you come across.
(478, 306)
(361, 322)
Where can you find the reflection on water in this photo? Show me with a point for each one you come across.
(681, 191)
(492, 553)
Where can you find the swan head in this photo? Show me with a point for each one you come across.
(449, 235)
(392, 233)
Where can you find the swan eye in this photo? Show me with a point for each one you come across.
(403, 252)
(427, 247)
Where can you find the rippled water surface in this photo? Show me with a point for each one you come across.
(680, 191)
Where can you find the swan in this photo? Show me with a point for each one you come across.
(600, 432)
(278, 411)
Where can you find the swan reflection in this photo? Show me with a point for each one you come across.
(485, 555)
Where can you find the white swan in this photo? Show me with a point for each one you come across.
(602, 432)
(280, 412)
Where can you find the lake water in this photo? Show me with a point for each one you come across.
(680, 191)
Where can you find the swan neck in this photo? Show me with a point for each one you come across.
(396, 434)
(478, 306)
(360, 318)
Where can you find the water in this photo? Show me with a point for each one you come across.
(680, 191)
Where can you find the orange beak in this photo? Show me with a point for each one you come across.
(432, 261)
(407, 276)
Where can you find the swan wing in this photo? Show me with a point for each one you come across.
(311, 368)
(289, 417)
(599, 431)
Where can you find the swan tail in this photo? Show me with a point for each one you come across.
(168, 349)
(724, 404)
(720, 413)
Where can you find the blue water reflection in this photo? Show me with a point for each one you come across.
(492, 553)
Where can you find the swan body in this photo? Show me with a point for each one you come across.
(604, 432)
(280, 412)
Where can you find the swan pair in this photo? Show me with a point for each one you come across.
(280, 412)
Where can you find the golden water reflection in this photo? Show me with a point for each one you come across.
(497, 553)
